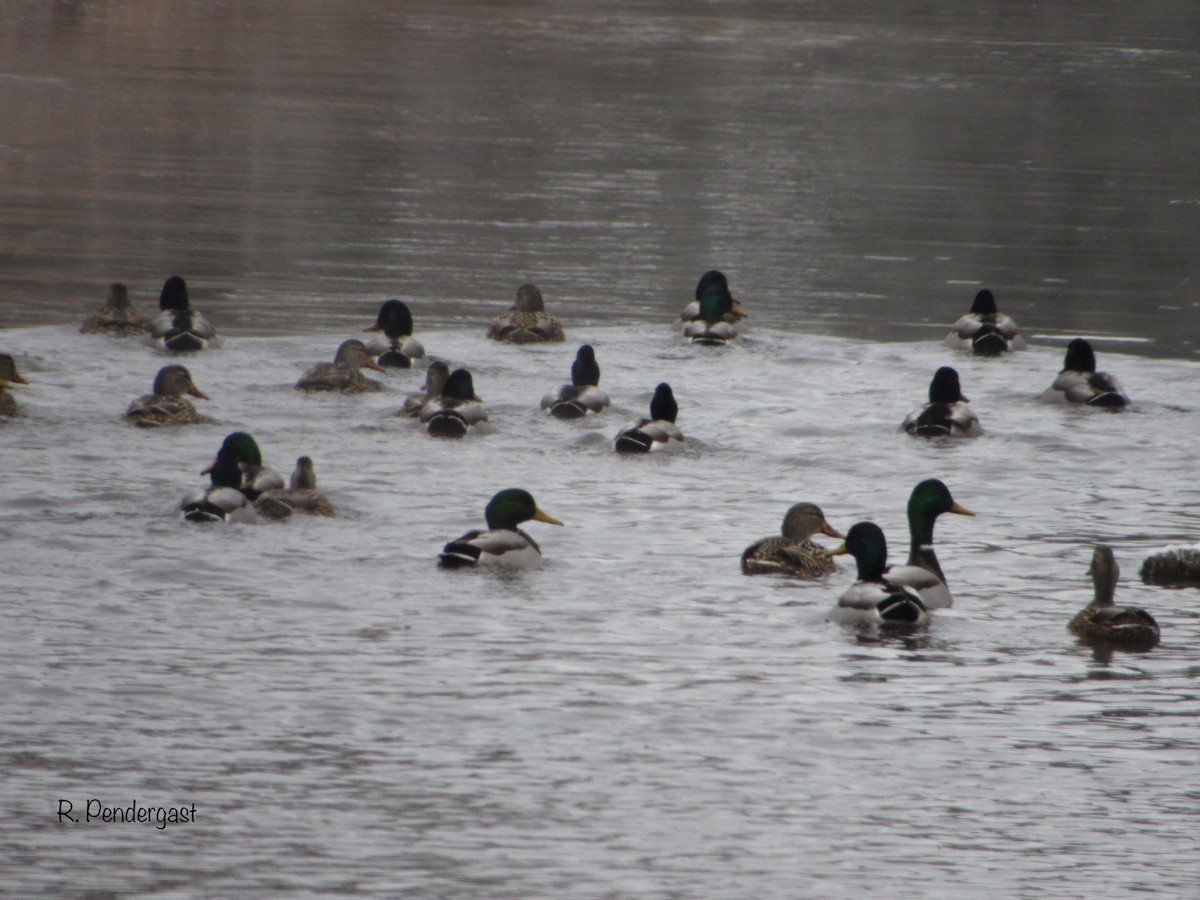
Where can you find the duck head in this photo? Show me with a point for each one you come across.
(510, 507)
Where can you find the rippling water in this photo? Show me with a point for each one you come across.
(637, 718)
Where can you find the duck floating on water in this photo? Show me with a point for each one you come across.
(659, 432)
(985, 330)
(792, 552)
(400, 348)
(223, 500)
(503, 544)
(166, 403)
(1173, 566)
(527, 322)
(583, 394)
(875, 599)
(180, 328)
(343, 373)
(257, 478)
(301, 496)
(946, 414)
(1102, 622)
(436, 377)
(711, 320)
(1079, 382)
(8, 377)
(928, 500)
(456, 409)
(117, 316)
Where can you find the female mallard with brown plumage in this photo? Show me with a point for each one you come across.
(116, 316)
(1121, 627)
(527, 322)
(166, 403)
(301, 495)
(792, 552)
(436, 377)
(343, 373)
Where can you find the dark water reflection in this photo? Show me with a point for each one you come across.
(854, 169)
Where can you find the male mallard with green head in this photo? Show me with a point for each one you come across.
(712, 319)
(875, 599)
(1121, 627)
(946, 414)
(985, 330)
(503, 544)
(180, 328)
(583, 394)
(399, 348)
(792, 551)
(659, 432)
(454, 411)
(1079, 382)
(928, 500)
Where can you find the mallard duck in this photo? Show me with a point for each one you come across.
(166, 404)
(452, 412)
(116, 316)
(984, 330)
(343, 373)
(692, 311)
(526, 322)
(1175, 566)
(928, 500)
(503, 544)
(946, 414)
(714, 321)
(582, 395)
(791, 552)
(875, 599)
(400, 348)
(301, 496)
(8, 377)
(179, 328)
(223, 500)
(436, 377)
(256, 478)
(659, 432)
(1079, 381)
(1122, 627)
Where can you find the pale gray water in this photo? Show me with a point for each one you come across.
(637, 719)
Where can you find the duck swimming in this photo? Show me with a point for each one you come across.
(928, 500)
(256, 478)
(401, 348)
(301, 496)
(526, 322)
(179, 328)
(503, 544)
(1079, 382)
(875, 599)
(792, 552)
(716, 312)
(116, 316)
(436, 377)
(984, 330)
(223, 501)
(583, 394)
(8, 377)
(343, 373)
(1121, 627)
(456, 409)
(166, 403)
(659, 432)
(946, 414)
(1175, 566)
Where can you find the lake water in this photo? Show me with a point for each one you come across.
(635, 719)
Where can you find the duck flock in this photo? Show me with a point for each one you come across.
(242, 488)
